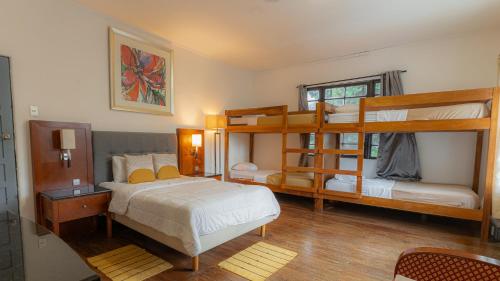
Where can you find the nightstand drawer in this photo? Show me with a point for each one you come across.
(81, 207)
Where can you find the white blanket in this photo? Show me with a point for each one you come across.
(188, 208)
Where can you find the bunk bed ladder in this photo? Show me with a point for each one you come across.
(359, 128)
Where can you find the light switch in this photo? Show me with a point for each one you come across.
(76, 182)
(34, 110)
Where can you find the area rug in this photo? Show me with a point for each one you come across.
(129, 263)
(258, 261)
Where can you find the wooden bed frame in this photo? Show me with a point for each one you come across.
(320, 128)
(107, 144)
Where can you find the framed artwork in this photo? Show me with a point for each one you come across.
(141, 74)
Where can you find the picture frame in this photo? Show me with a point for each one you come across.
(141, 74)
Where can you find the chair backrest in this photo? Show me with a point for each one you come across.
(435, 264)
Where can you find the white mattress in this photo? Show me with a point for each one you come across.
(432, 193)
(370, 187)
(256, 176)
(459, 111)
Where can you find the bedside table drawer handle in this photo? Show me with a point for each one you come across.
(84, 206)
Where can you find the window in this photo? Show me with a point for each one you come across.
(343, 94)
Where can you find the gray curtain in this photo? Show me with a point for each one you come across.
(398, 152)
(304, 138)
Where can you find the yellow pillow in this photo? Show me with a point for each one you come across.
(141, 175)
(168, 172)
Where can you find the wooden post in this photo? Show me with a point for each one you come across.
(263, 231)
(318, 159)
(490, 166)
(195, 263)
(109, 225)
(251, 145)
(318, 203)
(284, 140)
(361, 146)
(477, 161)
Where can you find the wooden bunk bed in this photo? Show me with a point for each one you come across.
(418, 101)
(277, 120)
(283, 123)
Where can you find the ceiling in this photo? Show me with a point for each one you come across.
(266, 34)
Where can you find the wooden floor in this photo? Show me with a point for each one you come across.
(345, 242)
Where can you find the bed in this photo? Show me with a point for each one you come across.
(260, 176)
(349, 113)
(191, 215)
(305, 180)
(272, 177)
(431, 193)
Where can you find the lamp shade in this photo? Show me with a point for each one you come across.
(196, 140)
(214, 122)
(67, 139)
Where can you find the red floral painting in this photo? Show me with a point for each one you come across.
(143, 76)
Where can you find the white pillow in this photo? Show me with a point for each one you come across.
(119, 168)
(347, 108)
(135, 162)
(160, 160)
(342, 177)
(244, 166)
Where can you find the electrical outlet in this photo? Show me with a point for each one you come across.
(34, 110)
(42, 243)
(76, 182)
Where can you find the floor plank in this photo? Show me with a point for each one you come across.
(345, 242)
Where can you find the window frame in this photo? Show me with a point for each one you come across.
(370, 92)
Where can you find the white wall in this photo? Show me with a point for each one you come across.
(462, 62)
(59, 61)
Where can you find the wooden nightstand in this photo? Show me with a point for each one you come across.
(64, 205)
(206, 175)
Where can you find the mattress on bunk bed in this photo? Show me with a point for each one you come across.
(294, 119)
(371, 187)
(458, 111)
(432, 193)
(293, 179)
(259, 176)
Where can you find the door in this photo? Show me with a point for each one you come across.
(8, 180)
(11, 260)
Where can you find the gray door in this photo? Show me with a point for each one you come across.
(11, 259)
(8, 180)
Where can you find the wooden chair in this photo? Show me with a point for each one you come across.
(435, 264)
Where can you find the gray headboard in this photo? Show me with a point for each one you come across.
(107, 144)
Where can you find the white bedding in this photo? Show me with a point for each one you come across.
(432, 193)
(370, 187)
(256, 176)
(188, 208)
(459, 111)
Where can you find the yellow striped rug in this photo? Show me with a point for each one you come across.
(258, 261)
(129, 263)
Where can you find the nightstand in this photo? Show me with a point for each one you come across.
(206, 175)
(64, 205)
